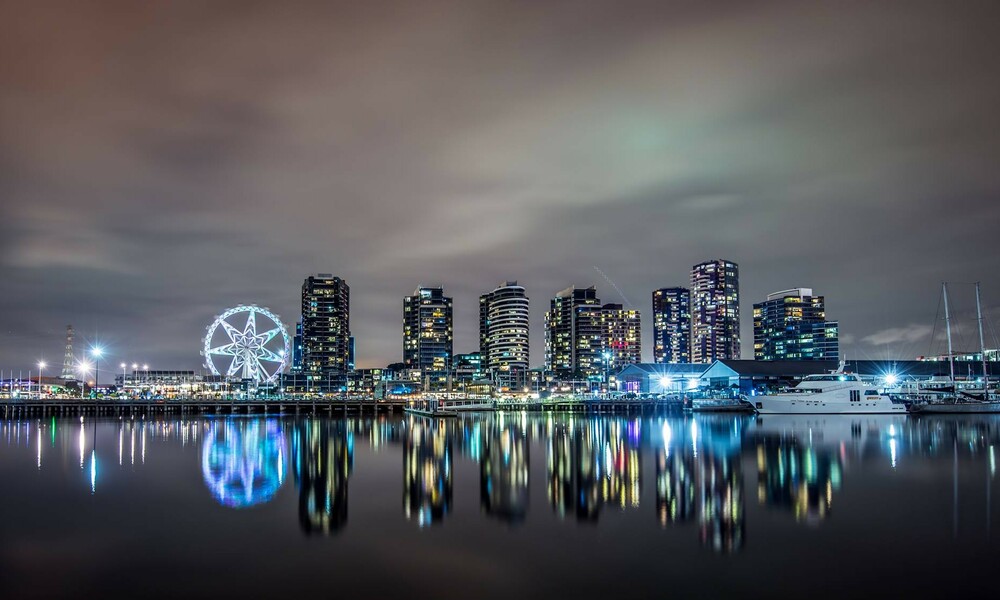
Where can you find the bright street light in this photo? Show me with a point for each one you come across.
(82, 369)
(97, 352)
(41, 365)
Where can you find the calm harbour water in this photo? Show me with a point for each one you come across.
(507, 505)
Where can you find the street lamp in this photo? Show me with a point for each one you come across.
(83, 368)
(97, 352)
(41, 365)
(607, 365)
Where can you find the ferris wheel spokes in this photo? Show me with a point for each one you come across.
(270, 356)
(247, 348)
(224, 350)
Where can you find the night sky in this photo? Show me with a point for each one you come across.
(161, 161)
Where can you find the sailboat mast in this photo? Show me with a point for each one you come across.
(947, 325)
(982, 342)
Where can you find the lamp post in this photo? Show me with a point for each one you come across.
(135, 368)
(97, 352)
(82, 368)
(41, 365)
(123, 366)
(607, 363)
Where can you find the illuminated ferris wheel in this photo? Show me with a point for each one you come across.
(247, 341)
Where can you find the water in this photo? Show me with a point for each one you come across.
(508, 505)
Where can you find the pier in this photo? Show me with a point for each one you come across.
(10, 409)
(14, 409)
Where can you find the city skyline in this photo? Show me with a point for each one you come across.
(155, 172)
(84, 345)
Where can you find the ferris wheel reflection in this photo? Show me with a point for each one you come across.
(243, 462)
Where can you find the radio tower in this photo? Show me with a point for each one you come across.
(67, 370)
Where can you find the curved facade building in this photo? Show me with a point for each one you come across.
(503, 328)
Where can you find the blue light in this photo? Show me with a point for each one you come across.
(243, 462)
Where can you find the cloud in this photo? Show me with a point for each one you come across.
(909, 334)
(164, 160)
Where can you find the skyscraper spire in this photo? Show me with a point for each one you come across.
(68, 371)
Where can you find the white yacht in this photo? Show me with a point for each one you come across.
(838, 393)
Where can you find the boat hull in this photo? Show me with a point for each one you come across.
(778, 405)
(956, 408)
(730, 406)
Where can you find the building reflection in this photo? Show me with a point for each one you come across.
(675, 486)
(243, 461)
(699, 479)
(427, 484)
(503, 470)
(797, 478)
(721, 514)
(323, 460)
(592, 463)
(801, 459)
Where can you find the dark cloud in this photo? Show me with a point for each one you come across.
(160, 161)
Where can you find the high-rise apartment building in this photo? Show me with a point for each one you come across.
(715, 311)
(573, 334)
(503, 329)
(621, 337)
(672, 325)
(428, 333)
(297, 348)
(326, 327)
(792, 325)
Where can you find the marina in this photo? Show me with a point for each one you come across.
(282, 498)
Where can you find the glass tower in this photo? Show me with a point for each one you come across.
(672, 325)
(428, 333)
(715, 311)
(792, 325)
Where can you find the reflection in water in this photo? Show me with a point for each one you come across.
(801, 459)
(243, 461)
(799, 463)
(324, 457)
(427, 485)
(795, 475)
(675, 489)
(592, 463)
(722, 518)
(572, 483)
(503, 470)
(699, 478)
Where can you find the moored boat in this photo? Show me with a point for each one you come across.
(719, 405)
(951, 398)
(836, 393)
(956, 405)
